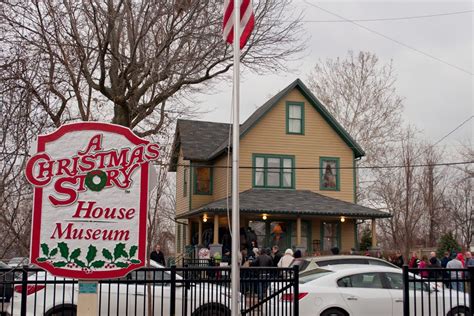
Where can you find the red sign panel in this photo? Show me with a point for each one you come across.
(91, 189)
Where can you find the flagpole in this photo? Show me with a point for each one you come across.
(235, 273)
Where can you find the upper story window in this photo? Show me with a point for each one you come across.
(295, 118)
(329, 173)
(203, 180)
(273, 171)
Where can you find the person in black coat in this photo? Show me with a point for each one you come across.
(276, 255)
(158, 256)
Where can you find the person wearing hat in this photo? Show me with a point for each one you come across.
(287, 259)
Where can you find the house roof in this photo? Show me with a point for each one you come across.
(198, 139)
(301, 202)
(204, 141)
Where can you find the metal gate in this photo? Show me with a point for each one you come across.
(437, 291)
(161, 291)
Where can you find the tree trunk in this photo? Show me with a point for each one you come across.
(121, 115)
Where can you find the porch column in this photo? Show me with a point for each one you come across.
(199, 231)
(216, 229)
(374, 235)
(298, 231)
(188, 234)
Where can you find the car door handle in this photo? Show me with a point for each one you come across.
(398, 300)
(352, 298)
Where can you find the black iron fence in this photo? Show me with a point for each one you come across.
(161, 291)
(437, 291)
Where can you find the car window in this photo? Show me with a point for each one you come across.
(323, 263)
(312, 275)
(367, 280)
(157, 276)
(395, 281)
(380, 263)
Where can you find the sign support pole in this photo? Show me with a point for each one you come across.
(87, 300)
(235, 273)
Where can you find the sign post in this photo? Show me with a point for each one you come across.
(87, 303)
(91, 191)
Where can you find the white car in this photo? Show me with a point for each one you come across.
(122, 298)
(344, 290)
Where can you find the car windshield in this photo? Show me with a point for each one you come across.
(312, 275)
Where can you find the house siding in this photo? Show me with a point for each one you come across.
(269, 136)
(182, 202)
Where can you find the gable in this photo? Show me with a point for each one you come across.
(309, 98)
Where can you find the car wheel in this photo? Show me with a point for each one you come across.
(334, 312)
(459, 311)
(70, 310)
(213, 309)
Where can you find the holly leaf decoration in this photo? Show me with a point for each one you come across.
(119, 251)
(45, 249)
(53, 252)
(76, 253)
(107, 254)
(121, 264)
(135, 261)
(41, 259)
(133, 251)
(91, 253)
(80, 263)
(97, 264)
(63, 249)
(59, 264)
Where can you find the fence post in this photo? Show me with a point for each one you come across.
(296, 290)
(173, 291)
(406, 293)
(24, 288)
(471, 286)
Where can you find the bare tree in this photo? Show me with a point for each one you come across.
(21, 122)
(398, 190)
(123, 60)
(461, 199)
(360, 93)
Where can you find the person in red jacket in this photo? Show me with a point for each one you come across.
(414, 261)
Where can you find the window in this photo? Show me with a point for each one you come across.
(271, 171)
(203, 180)
(331, 235)
(295, 118)
(258, 229)
(329, 173)
(362, 280)
(185, 181)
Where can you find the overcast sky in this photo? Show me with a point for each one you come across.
(438, 97)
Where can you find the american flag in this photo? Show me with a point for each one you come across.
(247, 21)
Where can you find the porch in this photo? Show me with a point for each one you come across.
(297, 219)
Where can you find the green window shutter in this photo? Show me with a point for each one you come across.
(295, 118)
(329, 174)
(185, 181)
(273, 171)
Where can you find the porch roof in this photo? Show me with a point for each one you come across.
(297, 202)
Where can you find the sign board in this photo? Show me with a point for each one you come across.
(88, 287)
(91, 189)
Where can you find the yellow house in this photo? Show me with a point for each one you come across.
(297, 178)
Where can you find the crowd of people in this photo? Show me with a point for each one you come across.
(429, 266)
(267, 257)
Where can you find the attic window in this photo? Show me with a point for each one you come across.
(203, 180)
(295, 118)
